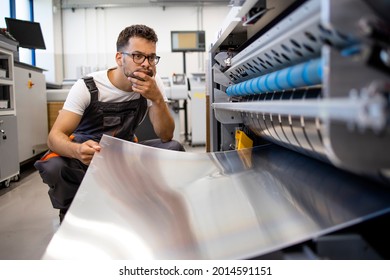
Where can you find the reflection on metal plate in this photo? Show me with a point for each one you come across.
(138, 202)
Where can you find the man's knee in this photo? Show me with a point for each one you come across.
(175, 146)
(50, 169)
(171, 145)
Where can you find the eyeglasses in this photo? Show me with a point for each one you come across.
(140, 58)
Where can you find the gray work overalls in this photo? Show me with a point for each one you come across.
(120, 119)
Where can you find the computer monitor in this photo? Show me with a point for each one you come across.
(27, 33)
(188, 41)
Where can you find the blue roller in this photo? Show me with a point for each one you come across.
(300, 75)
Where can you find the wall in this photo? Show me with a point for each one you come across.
(83, 40)
(89, 35)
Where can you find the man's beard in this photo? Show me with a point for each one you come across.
(143, 70)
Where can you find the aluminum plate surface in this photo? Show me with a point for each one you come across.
(138, 202)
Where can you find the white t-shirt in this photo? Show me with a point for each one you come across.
(79, 96)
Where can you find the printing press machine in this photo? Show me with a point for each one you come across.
(311, 77)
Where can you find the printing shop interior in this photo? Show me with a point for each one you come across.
(206, 130)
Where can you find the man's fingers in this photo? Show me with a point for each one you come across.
(97, 148)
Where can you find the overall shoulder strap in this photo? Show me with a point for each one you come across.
(91, 85)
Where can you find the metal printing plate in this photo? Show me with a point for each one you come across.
(138, 202)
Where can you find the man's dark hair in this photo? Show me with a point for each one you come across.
(137, 30)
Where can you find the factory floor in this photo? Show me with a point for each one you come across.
(27, 219)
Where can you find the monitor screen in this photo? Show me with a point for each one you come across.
(188, 41)
(27, 33)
